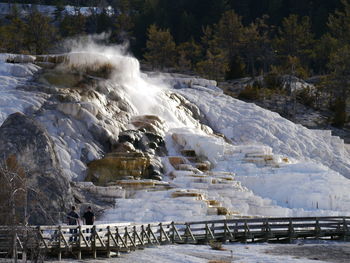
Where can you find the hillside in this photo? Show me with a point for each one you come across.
(168, 147)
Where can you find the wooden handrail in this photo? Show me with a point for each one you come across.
(129, 236)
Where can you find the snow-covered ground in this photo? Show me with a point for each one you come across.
(25, 9)
(242, 253)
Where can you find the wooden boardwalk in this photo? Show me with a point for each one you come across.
(90, 241)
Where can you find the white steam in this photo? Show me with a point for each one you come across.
(146, 94)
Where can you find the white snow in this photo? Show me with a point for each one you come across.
(252, 253)
(49, 10)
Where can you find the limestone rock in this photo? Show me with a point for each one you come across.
(117, 166)
(188, 193)
(124, 147)
(144, 141)
(150, 123)
(176, 160)
(49, 190)
(109, 191)
(204, 166)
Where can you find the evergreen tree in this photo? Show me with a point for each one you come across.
(59, 11)
(184, 64)
(323, 49)
(255, 46)
(104, 22)
(13, 35)
(214, 66)
(338, 83)
(215, 63)
(161, 48)
(229, 32)
(72, 25)
(295, 40)
(123, 25)
(190, 54)
(40, 34)
(339, 23)
(228, 35)
(340, 72)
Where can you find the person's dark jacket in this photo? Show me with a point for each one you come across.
(73, 218)
(89, 217)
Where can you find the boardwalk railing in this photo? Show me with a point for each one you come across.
(107, 238)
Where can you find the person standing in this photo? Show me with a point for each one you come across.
(73, 219)
(89, 216)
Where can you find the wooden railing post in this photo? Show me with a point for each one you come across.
(119, 237)
(225, 231)
(160, 233)
(134, 234)
(317, 229)
(79, 240)
(290, 231)
(108, 241)
(173, 234)
(236, 229)
(267, 229)
(187, 232)
(126, 235)
(142, 234)
(345, 229)
(246, 231)
(59, 243)
(206, 232)
(149, 232)
(93, 242)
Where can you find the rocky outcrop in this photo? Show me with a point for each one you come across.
(117, 166)
(49, 192)
(142, 140)
(134, 156)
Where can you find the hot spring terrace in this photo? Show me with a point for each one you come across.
(103, 240)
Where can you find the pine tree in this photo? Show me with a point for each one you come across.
(228, 36)
(72, 25)
(295, 39)
(214, 66)
(189, 53)
(229, 32)
(161, 48)
(59, 11)
(338, 83)
(13, 36)
(122, 28)
(339, 23)
(184, 64)
(104, 22)
(12, 33)
(40, 34)
(251, 47)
